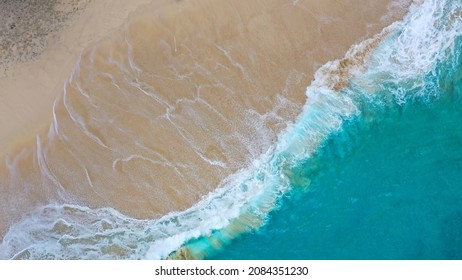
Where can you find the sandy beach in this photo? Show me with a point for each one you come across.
(160, 110)
(41, 41)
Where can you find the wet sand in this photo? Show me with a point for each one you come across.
(157, 114)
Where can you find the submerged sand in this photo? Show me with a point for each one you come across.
(156, 115)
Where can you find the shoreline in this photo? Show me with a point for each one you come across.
(141, 209)
(31, 84)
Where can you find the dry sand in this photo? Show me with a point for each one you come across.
(40, 42)
(159, 113)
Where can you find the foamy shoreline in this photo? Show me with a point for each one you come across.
(45, 77)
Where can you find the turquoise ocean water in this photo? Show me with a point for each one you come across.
(390, 188)
(373, 171)
(388, 183)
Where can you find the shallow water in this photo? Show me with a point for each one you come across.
(156, 115)
(388, 185)
(368, 169)
(390, 189)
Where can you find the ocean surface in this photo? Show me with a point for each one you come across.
(386, 182)
(368, 168)
(388, 187)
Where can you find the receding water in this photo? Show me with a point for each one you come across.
(368, 169)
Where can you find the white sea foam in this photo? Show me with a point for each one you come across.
(71, 231)
(250, 190)
(411, 53)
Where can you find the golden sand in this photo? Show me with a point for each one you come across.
(156, 115)
(39, 53)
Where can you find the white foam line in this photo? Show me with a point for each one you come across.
(254, 188)
(216, 81)
(179, 76)
(114, 83)
(151, 95)
(80, 123)
(74, 80)
(212, 162)
(230, 194)
(131, 59)
(118, 64)
(55, 120)
(174, 165)
(174, 42)
(196, 149)
(12, 166)
(80, 90)
(211, 108)
(157, 154)
(76, 68)
(235, 63)
(87, 175)
(41, 160)
(136, 156)
(425, 38)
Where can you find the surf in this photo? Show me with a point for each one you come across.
(244, 198)
(401, 70)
